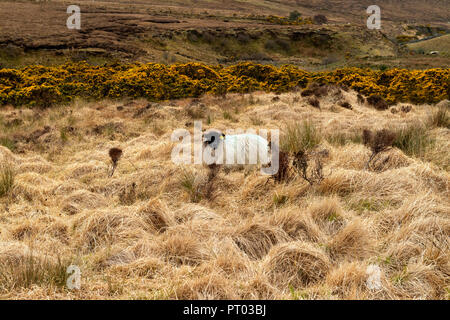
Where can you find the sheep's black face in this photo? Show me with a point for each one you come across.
(212, 139)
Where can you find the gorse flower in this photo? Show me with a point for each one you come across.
(45, 86)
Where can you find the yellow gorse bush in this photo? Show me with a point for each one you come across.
(44, 86)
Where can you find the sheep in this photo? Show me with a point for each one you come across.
(244, 148)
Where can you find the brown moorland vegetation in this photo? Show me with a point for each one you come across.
(156, 230)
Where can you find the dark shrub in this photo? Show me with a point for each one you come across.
(406, 109)
(378, 141)
(294, 15)
(283, 168)
(346, 105)
(314, 102)
(277, 44)
(320, 19)
(243, 38)
(316, 89)
(306, 93)
(360, 98)
(377, 102)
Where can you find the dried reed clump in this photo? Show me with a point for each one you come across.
(393, 159)
(196, 111)
(377, 102)
(32, 186)
(414, 139)
(191, 183)
(182, 249)
(378, 142)
(328, 215)
(353, 242)
(419, 281)
(350, 281)
(209, 287)
(128, 194)
(146, 267)
(298, 225)
(440, 116)
(25, 230)
(13, 252)
(79, 200)
(256, 239)
(6, 178)
(33, 270)
(199, 186)
(157, 215)
(296, 264)
(230, 259)
(104, 228)
(89, 169)
(190, 212)
(115, 154)
(300, 136)
(259, 288)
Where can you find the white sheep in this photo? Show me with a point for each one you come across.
(244, 148)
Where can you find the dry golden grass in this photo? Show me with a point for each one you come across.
(151, 232)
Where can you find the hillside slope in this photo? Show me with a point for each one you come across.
(213, 32)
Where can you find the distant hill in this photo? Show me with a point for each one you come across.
(220, 31)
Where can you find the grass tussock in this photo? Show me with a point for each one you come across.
(6, 178)
(302, 136)
(181, 249)
(190, 183)
(8, 143)
(328, 214)
(156, 214)
(414, 140)
(440, 117)
(27, 269)
(256, 239)
(296, 264)
(297, 225)
(353, 242)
